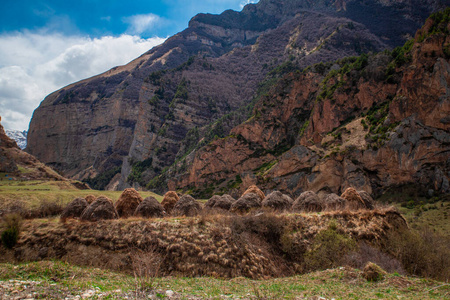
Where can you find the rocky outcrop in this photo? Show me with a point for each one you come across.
(371, 123)
(127, 125)
(18, 164)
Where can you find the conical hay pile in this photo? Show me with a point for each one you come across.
(100, 209)
(74, 209)
(150, 208)
(90, 198)
(334, 202)
(212, 201)
(255, 190)
(277, 201)
(128, 201)
(170, 199)
(187, 206)
(367, 199)
(246, 203)
(308, 202)
(354, 200)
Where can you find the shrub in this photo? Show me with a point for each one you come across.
(10, 235)
(328, 247)
(422, 252)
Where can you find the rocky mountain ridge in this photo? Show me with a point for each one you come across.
(128, 125)
(20, 137)
(370, 122)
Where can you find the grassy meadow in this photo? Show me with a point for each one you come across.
(33, 194)
(58, 279)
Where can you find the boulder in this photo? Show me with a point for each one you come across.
(170, 199)
(187, 206)
(246, 203)
(150, 208)
(128, 201)
(308, 202)
(255, 190)
(100, 209)
(277, 201)
(74, 209)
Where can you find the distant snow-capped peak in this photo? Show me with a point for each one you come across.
(19, 136)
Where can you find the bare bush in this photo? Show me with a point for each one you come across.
(146, 266)
(422, 252)
(366, 253)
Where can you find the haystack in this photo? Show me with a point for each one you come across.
(308, 202)
(100, 209)
(170, 199)
(150, 208)
(74, 209)
(334, 202)
(128, 202)
(373, 272)
(354, 200)
(228, 197)
(90, 198)
(246, 203)
(255, 190)
(187, 206)
(277, 201)
(212, 201)
(220, 202)
(368, 200)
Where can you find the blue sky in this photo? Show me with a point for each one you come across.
(47, 44)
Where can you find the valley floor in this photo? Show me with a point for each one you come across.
(58, 280)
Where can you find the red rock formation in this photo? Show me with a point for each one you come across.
(312, 131)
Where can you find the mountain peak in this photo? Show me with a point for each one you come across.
(133, 122)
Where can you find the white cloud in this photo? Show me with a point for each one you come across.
(139, 24)
(33, 65)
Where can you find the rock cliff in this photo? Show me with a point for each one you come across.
(370, 122)
(127, 126)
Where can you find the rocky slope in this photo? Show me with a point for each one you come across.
(127, 125)
(18, 164)
(370, 122)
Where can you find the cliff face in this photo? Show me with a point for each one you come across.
(127, 125)
(370, 122)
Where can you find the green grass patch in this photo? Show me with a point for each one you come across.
(340, 283)
(32, 194)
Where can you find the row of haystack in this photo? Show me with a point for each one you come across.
(131, 204)
(308, 201)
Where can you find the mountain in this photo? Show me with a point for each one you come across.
(129, 125)
(20, 137)
(374, 122)
(17, 164)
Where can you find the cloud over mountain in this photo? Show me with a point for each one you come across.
(33, 65)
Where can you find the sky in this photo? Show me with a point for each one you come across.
(48, 44)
